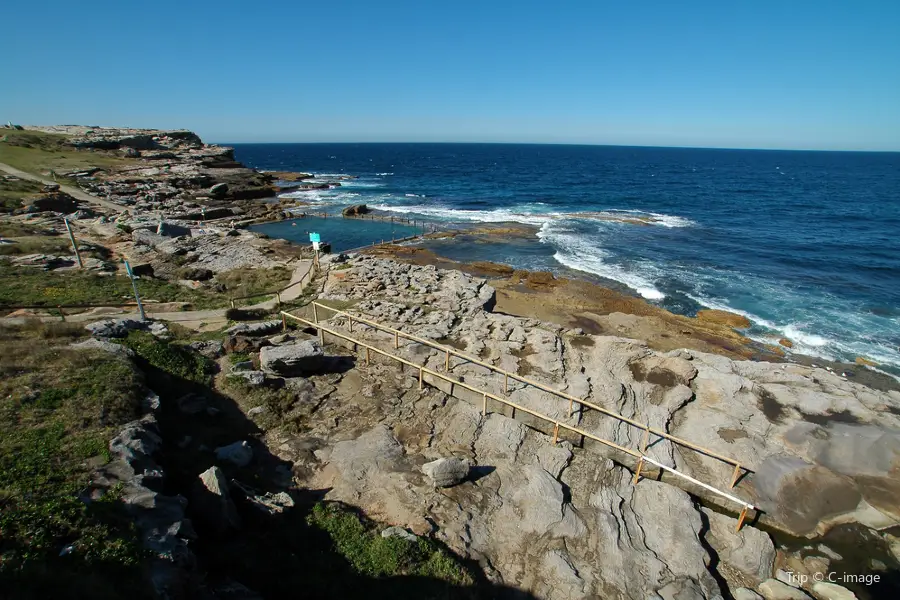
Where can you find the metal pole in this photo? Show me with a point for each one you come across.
(74, 243)
(137, 297)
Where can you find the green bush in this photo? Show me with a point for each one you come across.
(175, 359)
(359, 541)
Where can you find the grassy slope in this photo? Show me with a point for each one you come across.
(58, 410)
(40, 153)
(31, 286)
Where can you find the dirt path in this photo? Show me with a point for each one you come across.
(74, 192)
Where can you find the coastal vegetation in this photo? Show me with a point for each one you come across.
(45, 153)
(59, 407)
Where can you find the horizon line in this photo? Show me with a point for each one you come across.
(733, 148)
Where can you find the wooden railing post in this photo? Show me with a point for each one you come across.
(646, 439)
(571, 404)
(447, 362)
(420, 378)
(740, 522)
(283, 322)
(555, 433)
(506, 383)
(368, 356)
(396, 341)
(637, 472)
(315, 313)
(350, 319)
(736, 475)
(484, 405)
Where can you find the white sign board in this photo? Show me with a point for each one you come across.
(315, 246)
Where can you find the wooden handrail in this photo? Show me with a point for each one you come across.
(485, 395)
(452, 351)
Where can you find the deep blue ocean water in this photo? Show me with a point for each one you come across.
(805, 244)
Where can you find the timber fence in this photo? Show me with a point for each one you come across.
(639, 455)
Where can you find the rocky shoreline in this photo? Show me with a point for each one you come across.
(554, 520)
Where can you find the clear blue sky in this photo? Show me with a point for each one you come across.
(819, 74)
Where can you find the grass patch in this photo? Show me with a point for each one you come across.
(32, 286)
(43, 153)
(254, 282)
(172, 358)
(41, 244)
(59, 408)
(13, 190)
(358, 540)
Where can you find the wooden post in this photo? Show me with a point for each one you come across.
(447, 362)
(321, 336)
(555, 433)
(637, 473)
(232, 303)
(420, 378)
(484, 405)
(506, 383)
(571, 402)
(646, 439)
(737, 473)
(62, 315)
(283, 322)
(368, 356)
(396, 341)
(315, 313)
(740, 522)
(350, 320)
(278, 295)
(74, 243)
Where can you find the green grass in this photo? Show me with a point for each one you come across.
(58, 410)
(13, 191)
(360, 543)
(40, 153)
(171, 357)
(253, 282)
(40, 244)
(32, 286)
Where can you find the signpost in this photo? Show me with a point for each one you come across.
(134, 287)
(316, 239)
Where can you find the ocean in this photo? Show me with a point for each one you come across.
(804, 244)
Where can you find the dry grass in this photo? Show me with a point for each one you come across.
(43, 153)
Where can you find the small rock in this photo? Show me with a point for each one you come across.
(114, 328)
(446, 472)
(772, 589)
(95, 344)
(252, 377)
(745, 594)
(824, 590)
(212, 500)
(219, 190)
(399, 532)
(209, 349)
(191, 404)
(302, 357)
(159, 329)
(256, 410)
(260, 328)
(281, 338)
(238, 453)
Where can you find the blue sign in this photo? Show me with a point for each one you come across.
(315, 237)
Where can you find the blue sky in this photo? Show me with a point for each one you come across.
(800, 74)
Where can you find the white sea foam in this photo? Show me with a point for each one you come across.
(660, 219)
(383, 174)
(498, 215)
(577, 252)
